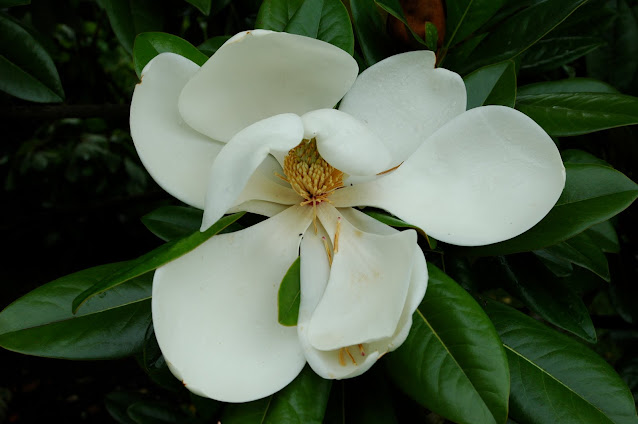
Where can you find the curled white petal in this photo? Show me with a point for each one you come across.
(346, 143)
(216, 318)
(404, 99)
(237, 162)
(177, 157)
(488, 175)
(258, 74)
(368, 285)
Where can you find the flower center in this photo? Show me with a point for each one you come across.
(310, 175)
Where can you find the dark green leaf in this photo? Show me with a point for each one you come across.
(530, 282)
(325, 20)
(572, 85)
(456, 59)
(155, 412)
(581, 156)
(453, 357)
(581, 250)
(565, 114)
(556, 379)
(518, 33)
(592, 194)
(210, 46)
(27, 70)
(558, 266)
(117, 404)
(131, 17)
(393, 221)
(492, 85)
(173, 222)
(202, 5)
(431, 36)
(289, 295)
(605, 237)
(301, 402)
(154, 259)
(371, 33)
(555, 52)
(150, 44)
(466, 16)
(109, 326)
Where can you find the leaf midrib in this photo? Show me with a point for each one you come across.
(542, 370)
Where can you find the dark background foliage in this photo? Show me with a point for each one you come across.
(73, 189)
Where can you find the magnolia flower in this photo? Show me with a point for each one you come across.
(254, 129)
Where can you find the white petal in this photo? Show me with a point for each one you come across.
(315, 271)
(368, 285)
(346, 143)
(177, 157)
(260, 207)
(403, 99)
(366, 223)
(257, 74)
(237, 162)
(488, 175)
(215, 318)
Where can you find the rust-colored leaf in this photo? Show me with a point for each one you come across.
(417, 13)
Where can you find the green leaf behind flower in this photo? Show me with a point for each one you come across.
(592, 194)
(109, 326)
(150, 44)
(301, 402)
(554, 52)
(466, 16)
(131, 17)
(325, 20)
(371, 32)
(453, 357)
(492, 85)
(556, 379)
(154, 259)
(571, 85)
(567, 114)
(27, 70)
(289, 295)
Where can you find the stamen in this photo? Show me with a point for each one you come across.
(350, 355)
(361, 351)
(342, 360)
(325, 244)
(337, 232)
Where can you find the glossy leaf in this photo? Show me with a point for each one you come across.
(393, 221)
(202, 5)
(556, 379)
(173, 222)
(150, 44)
(581, 156)
(466, 16)
(558, 266)
(552, 53)
(582, 250)
(301, 402)
(131, 17)
(605, 237)
(27, 70)
(453, 357)
(592, 194)
(371, 33)
(289, 295)
(526, 279)
(154, 259)
(566, 114)
(492, 85)
(325, 20)
(109, 326)
(572, 85)
(210, 46)
(508, 40)
(431, 36)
